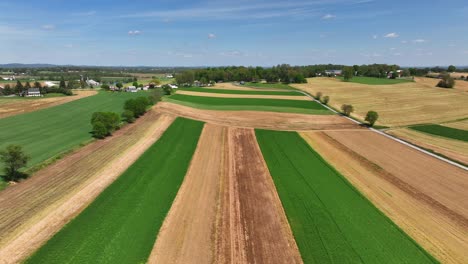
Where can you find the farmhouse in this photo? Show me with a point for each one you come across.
(131, 89)
(49, 84)
(169, 76)
(173, 86)
(92, 83)
(333, 73)
(11, 78)
(399, 73)
(33, 92)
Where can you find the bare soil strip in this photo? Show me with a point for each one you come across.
(422, 195)
(253, 227)
(454, 149)
(230, 86)
(34, 210)
(17, 107)
(208, 94)
(258, 119)
(187, 233)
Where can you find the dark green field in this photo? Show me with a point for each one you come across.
(270, 85)
(376, 81)
(443, 131)
(253, 92)
(48, 132)
(254, 104)
(121, 225)
(331, 221)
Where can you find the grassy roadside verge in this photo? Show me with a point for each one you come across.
(121, 225)
(331, 221)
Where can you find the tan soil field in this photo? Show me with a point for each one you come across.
(283, 97)
(463, 125)
(425, 197)
(21, 106)
(187, 232)
(227, 210)
(432, 82)
(397, 104)
(454, 149)
(257, 119)
(231, 86)
(35, 209)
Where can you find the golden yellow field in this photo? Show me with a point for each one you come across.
(432, 82)
(459, 124)
(397, 104)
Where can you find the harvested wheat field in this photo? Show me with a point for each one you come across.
(459, 124)
(227, 210)
(208, 94)
(258, 119)
(231, 86)
(432, 82)
(454, 149)
(21, 106)
(423, 196)
(397, 104)
(34, 210)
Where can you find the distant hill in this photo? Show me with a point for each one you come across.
(21, 65)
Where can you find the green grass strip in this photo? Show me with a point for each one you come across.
(253, 92)
(277, 105)
(270, 85)
(331, 221)
(376, 81)
(121, 225)
(442, 131)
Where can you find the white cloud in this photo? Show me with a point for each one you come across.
(391, 35)
(375, 37)
(48, 27)
(419, 41)
(211, 36)
(134, 32)
(328, 16)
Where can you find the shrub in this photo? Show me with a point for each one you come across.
(167, 90)
(105, 87)
(446, 82)
(325, 100)
(348, 73)
(137, 106)
(372, 117)
(14, 159)
(129, 116)
(347, 109)
(318, 95)
(104, 123)
(99, 130)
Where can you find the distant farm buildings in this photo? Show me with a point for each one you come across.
(392, 74)
(131, 89)
(333, 73)
(49, 84)
(169, 76)
(92, 83)
(173, 86)
(11, 78)
(33, 92)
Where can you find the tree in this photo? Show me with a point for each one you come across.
(135, 84)
(119, 85)
(451, 68)
(104, 123)
(7, 90)
(347, 109)
(348, 73)
(446, 82)
(129, 116)
(62, 84)
(37, 85)
(19, 87)
(372, 117)
(325, 100)
(105, 87)
(167, 90)
(27, 86)
(99, 130)
(155, 96)
(14, 159)
(318, 96)
(137, 106)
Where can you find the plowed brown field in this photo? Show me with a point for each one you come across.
(257, 119)
(227, 210)
(34, 210)
(208, 94)
(22, 106)
(426, 197)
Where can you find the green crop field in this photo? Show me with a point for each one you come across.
(121, 225)
(253, 92)
(48, 132)
(254, 104)
(442, 131)
(376, 81)
(331, 221)
(270, 85)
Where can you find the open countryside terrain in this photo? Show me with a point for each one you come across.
(15, 106)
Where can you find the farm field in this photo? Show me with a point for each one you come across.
(207, 93)
(397, 104)
(375, 81)
(274, 105)
(453, 149)
(241, 221)
(424, 196)
(248, 92)
(259, 119)
(16, 106)
(231, 86)
(432, 82)
(131, 210)
(270, 85)
(35, 209)
(48, 132)
(331, 221)
(443, 131)
(462, 124)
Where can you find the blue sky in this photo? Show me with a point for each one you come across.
(254, 32)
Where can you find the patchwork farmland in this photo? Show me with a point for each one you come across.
(233, 174)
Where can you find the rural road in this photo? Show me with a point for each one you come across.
(391, 137)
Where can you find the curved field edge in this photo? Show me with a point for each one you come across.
(121, 225)
(245, 104)
(331, 221)
(442, 131)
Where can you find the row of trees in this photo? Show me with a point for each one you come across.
(19, 88)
